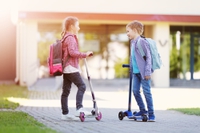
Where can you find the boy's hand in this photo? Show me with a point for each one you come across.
(147, 77)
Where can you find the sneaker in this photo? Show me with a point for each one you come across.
(82, 110)
(151, 118)
(68, 117)
(140, 113)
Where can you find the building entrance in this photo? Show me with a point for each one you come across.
(185, 52)
(195, 56)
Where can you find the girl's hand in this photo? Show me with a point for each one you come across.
(147, 77)
(89, 53)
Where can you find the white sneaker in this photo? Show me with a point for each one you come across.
(68, 117)
(84, 111)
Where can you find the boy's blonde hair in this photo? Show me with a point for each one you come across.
(136, 25)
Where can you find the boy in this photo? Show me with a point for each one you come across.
(141, 69)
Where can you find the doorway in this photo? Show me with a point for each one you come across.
(195, 56)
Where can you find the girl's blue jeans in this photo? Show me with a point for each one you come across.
(146, 86)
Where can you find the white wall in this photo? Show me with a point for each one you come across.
(27, 69)
(187, 7)
(161, 33)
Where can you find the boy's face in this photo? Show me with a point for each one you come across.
(130, 33)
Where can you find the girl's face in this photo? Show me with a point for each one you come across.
(131, 33)
(75, 28)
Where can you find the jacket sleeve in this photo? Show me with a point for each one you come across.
(72, 46)
(147, 52)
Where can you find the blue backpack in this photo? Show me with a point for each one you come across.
(156, 61)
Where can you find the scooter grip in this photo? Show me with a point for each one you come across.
(91, 54)
(125, 65)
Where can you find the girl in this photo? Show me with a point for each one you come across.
(71, 72)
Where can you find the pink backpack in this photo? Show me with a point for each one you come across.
(55, 62)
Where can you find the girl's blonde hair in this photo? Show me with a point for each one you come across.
(67, 23)
(136, 25)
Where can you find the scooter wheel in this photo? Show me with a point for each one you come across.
(99, 116)
(82, 117)
(121, 115)
(144, 118)
(93, 112)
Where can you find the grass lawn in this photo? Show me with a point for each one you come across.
(15, 121)
(20, 122)
(11, 91)
(189, 111)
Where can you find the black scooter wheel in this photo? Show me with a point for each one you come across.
(144, 118)
(121, 115)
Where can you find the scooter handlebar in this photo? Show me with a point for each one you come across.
(125, 65)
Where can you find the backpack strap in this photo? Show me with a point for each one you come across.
(140, 49)
(63, 39)
(68, 57)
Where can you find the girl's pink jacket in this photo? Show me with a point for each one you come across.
(71, 51)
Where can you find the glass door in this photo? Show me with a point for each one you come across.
(195, 57)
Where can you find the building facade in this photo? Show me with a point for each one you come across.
(102, 26)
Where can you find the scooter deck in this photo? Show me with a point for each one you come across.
(143, 118)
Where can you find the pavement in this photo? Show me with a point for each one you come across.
(43, 104)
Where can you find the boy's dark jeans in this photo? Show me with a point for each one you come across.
(68, 79)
